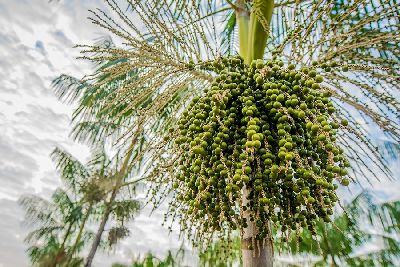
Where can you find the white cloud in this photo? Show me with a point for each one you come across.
(36, 40)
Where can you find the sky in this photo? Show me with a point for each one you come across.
(36, 46)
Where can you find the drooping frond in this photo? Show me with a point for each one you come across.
(91, 132)
(40, 255)
(38, 210)
(99, 161)
(42, 233)
(124, 210)
(87, 126)
(68, 208)
(117, 233)
(68, 88)
(71, 170)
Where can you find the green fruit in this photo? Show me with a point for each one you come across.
(321, 137)
(289, 156)
(257, 144)
(345, 182)
(319, 79)
(311, 200)
(273, 132)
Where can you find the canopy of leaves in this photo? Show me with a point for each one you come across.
(149, 80)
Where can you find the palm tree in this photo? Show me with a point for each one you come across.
(344, 243)
(106, 187)
(92, 127)
(115, 204)
(87, 181)
(93, 191)
(167, 50)
(57, 219)
(53, 223)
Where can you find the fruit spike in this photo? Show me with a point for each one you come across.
(267, 128)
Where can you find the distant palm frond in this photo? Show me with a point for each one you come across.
(71, 170)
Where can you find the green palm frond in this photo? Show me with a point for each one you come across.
(124, 210)
(43, 233)
(37, 210)
(71, 170)
(212, 255)
(93, 122)
(385, 255)
(91, 132)
(228, 34)
(68, 208)
(117, 233)
(39, 253)
(99, 162)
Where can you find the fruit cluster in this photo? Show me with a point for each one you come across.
(260, 142)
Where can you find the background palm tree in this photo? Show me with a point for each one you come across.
(345, 242)
(54, 222)
(93, 193)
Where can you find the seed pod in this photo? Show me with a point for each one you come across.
(273, 134)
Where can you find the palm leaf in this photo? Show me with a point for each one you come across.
(71, 170)
(37, 210)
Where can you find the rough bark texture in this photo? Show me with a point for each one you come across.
(261, 255)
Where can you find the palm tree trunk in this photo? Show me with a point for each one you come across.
(255, 254)
(67, 233)
(119, 181)
(259, 256)
(100, 231)
(78, 238)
